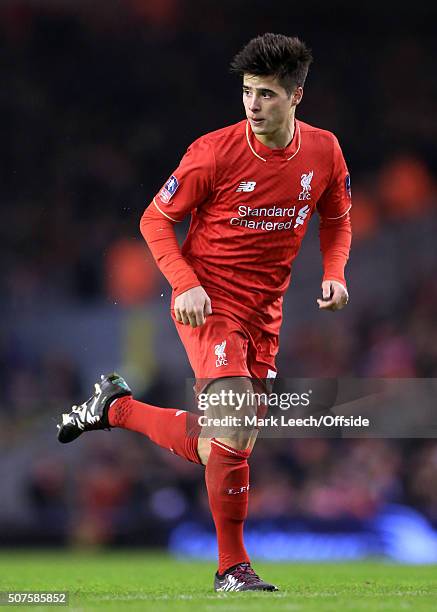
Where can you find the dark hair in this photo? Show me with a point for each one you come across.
(287, 58)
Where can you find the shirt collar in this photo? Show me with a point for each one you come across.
(265, 153)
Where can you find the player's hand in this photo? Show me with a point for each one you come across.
(192, 307)
(334, 296)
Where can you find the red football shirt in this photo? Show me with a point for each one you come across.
(250, 207)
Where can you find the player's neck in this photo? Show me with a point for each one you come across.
(279, 139)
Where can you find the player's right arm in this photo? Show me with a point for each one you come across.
(187, 188)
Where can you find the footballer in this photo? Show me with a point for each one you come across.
(251, 189)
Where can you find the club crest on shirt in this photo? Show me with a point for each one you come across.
(305, 181)
(169, 189)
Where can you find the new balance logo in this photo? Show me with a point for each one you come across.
(219, 350)
(246, 186)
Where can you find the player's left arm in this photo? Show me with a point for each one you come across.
(335, 233)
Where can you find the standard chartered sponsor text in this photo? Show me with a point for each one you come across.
(246, 212)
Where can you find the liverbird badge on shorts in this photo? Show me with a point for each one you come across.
(219, 350)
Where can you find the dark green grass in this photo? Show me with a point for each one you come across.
(144, 581)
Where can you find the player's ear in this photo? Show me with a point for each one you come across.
(297, 96)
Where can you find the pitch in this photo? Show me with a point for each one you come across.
(147, 581)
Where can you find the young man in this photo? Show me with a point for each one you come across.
(251, 189)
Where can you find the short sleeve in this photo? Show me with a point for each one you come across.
(190, 184)
(335, 202)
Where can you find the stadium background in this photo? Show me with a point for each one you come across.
(98, 102)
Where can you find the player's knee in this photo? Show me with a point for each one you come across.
(237, 441)
(204, 449)
(245, 443)
(240, 440)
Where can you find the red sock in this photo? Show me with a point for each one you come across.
(227, 481)
(177, 430)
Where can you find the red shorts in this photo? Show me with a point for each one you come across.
(224, 346)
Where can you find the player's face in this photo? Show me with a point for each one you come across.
(268, 106)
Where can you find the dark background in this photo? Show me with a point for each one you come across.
(98, 102)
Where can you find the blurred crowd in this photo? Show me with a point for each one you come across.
(96, 108)
(133, 493)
